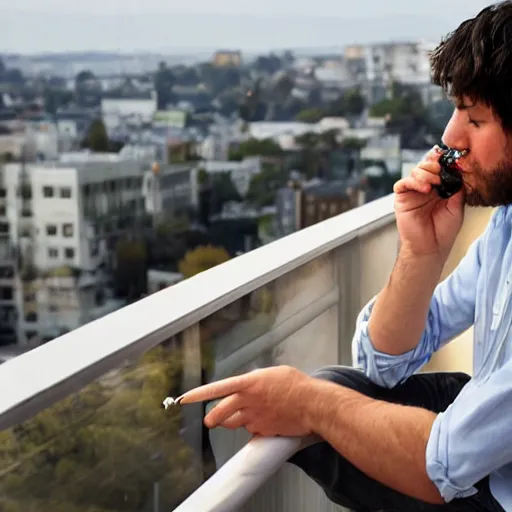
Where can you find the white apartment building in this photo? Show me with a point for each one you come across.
(380, 64)
(65, 226)
(64, 205)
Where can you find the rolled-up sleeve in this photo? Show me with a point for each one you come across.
(473, 437)
(452, 311)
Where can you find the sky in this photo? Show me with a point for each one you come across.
(34, 26)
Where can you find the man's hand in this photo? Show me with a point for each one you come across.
(384, 440)
(426, 223)
(268, 402)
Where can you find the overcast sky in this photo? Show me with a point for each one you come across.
(166, 25)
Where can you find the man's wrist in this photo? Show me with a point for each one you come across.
(436, 259)
(321, 401)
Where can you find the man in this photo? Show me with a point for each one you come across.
(393, 439)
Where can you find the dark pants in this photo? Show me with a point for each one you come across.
(347, 486)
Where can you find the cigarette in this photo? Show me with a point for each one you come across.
(171, 401)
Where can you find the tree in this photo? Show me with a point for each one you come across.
(406, 115)
(257, 147)
(97, 138)
(308, 140)
(223, 191)
(329, 139)
(202, 258)
(353, 102)
(353, 143)
(131, 267)
(104, 448)
(310, 115)
(264, 186)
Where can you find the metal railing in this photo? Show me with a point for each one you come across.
(50, 373)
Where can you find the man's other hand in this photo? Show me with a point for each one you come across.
(267, 402)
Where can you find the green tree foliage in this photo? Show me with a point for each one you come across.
(202, 258)
(406, 114)
(329, 139)
(223, 190)
(264, 186)
(131, 267)
(256, 147)
(308, 141)
(97, 138)
(353, 143)
(103, 448)
(310, 115)
(353, 102)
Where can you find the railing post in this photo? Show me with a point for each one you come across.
(348, 269)
(192, 414)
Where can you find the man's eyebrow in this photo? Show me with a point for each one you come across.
(463, 106)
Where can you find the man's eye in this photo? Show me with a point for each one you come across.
(474, 123)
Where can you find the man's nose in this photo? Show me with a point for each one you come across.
(455, 134)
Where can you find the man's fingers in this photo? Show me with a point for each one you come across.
(237, 420)
(223, 410)
(433, 155)
(410, 184)
(425, 176)
(214, 390)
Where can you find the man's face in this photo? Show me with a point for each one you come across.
(487, 169)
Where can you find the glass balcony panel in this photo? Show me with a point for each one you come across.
(111, 447)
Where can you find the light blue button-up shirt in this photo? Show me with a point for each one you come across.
(473, 437)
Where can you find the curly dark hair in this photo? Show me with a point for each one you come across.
(476, 61)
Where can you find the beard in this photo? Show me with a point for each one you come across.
(492, 187)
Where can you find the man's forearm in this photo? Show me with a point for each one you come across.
(400, 311)
(385, 441)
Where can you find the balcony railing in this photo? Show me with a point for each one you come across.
(81, 423)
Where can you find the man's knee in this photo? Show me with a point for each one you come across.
(348, 377)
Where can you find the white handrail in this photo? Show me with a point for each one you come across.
(55, 370)
(242, 475)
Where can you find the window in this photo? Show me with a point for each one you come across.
(69, 252)
(6, 293)
(65, 192)
(48, 191)
(53, 253)
(67, 230)
(3, 192)
(31, 317)
(51, 230)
